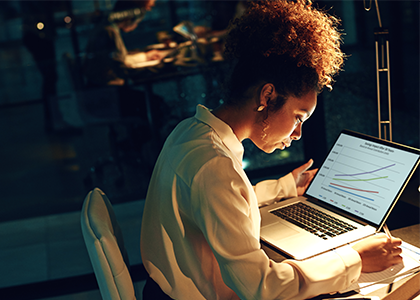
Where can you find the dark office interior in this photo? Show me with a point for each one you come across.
(52, 148)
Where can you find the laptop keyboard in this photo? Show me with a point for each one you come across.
(313, 220)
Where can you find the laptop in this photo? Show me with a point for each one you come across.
(352, 195)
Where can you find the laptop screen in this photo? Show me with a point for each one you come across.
(364, 175)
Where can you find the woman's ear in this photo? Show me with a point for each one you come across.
(266, 94)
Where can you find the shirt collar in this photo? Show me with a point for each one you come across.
(222, 129)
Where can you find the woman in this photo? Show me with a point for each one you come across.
(201, 223)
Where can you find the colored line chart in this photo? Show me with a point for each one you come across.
(351, 190)
(359, 175)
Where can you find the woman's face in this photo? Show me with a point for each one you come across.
(285, 125)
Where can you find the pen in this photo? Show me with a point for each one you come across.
(387, 232)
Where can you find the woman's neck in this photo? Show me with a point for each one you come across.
(240, 119)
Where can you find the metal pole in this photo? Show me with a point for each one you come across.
(383, 65)
(378, 91)
(389, 91)
(382, 58)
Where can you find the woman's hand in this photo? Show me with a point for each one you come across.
(303, 177)
(378, 252)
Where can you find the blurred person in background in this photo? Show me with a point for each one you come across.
(106, 54)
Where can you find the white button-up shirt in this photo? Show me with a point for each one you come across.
(200, 235)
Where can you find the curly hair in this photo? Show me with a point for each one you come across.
(288, 40)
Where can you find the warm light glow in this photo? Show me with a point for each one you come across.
(67, 19)
(40, 26)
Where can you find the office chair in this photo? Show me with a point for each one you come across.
(105, 245)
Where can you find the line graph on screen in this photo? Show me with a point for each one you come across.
(358, 173)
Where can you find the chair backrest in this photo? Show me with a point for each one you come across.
(105, 245)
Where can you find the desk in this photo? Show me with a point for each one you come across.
(404, 289)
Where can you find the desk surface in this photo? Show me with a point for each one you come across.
(404, 289)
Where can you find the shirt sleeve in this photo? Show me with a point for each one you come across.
(222, 209)
(269, 191)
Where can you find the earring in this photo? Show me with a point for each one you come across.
(260, 108)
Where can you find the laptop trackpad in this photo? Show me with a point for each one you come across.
(278, 231)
